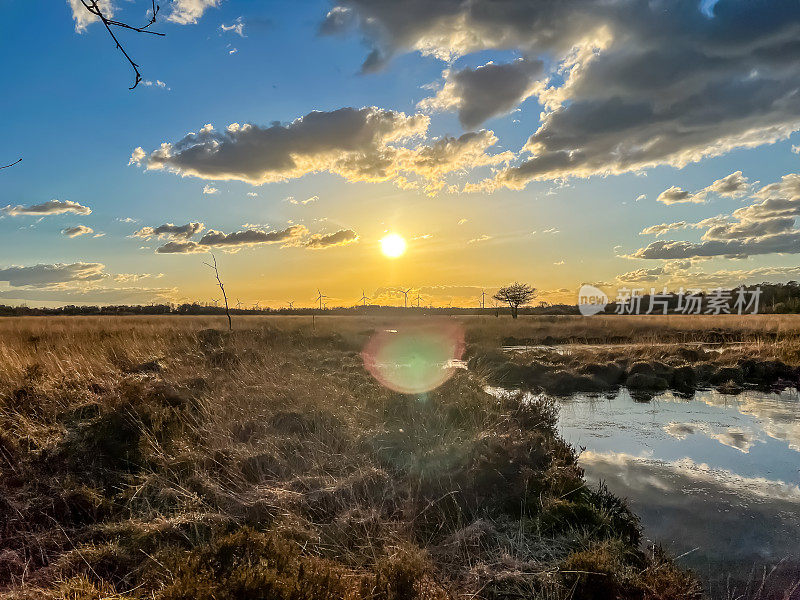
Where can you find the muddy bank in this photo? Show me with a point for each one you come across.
(684, 370)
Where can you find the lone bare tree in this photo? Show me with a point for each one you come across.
(221, 287)
(515, 295)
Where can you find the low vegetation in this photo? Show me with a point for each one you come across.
(166, 458)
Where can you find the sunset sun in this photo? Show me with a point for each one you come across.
(393, 245)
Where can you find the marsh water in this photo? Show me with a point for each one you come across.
(715, 478)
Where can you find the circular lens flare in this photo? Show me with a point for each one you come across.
(416, 358)
(393, 245)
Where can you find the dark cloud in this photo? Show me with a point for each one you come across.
(788, 242)
(49, 274)
(485, 92)
(676, 195)
(234, 240)
(340, 238)
(77, 231)
(639, 83)
(92, 295)
(358, 144)
(51, 207)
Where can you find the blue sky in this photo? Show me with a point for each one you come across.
(71, 117)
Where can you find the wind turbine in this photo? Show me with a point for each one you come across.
(363, 297)
(255, 306)
(320, 297)
(238, 304)
(405, 295)
(417, 299)
(483, 298)
(291, 305)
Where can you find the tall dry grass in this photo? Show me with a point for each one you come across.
(157, 457)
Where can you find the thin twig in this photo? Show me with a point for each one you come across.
(12, 164)
(94, 8)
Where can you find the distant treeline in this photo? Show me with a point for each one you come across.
(201, 309)
(776, 298)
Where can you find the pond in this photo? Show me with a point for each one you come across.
(715, 478)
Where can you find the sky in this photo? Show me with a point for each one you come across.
(624, 144)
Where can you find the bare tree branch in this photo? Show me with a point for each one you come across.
(12, 164)
(94, 8)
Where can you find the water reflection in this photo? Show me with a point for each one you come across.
(717, 476)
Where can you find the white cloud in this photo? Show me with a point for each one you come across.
(83, 18)
(185, 12)
(658, 230)
(236, 27)
(209, 189)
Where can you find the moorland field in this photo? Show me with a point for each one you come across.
(168, 458)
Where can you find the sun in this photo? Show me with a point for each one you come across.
(393, 245)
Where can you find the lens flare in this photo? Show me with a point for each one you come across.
(415, 358)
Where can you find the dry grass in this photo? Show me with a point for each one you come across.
(158, 458)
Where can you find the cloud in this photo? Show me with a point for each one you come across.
(83, 18)
(549, 230)
(157, 83)
(171, 231)
(640, 197)
(788, 243)
(209, 189)
(293, 200)
(186, 12)
(663, 228)
(481, 238)
(676, 274)
(93, 295)
(485, 92)
(358, 144)
(634, 85)
(51, 207)
(641, 275)
(765, 226)
(43, 275)
(732, 186)
(236, 27)
(78, 230)
(676, 195)
(340, 238)
(235, 240)
(77, 283)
